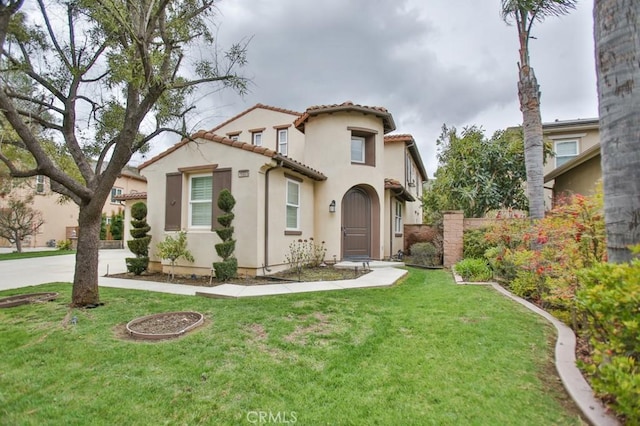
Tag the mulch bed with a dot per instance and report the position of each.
(164, 325)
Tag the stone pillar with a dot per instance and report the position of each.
(453, 224)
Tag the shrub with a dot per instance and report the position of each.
(117, 225)
(424, 254)
(473, 270)
(611, 300)
(173, 249)
(63, 245)
(140, 243)
(103, 227)
(228, 268)
(475, 243)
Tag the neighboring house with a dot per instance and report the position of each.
(575, 167)
(329, 173)
(60, 215)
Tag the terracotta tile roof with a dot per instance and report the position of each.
(398, 190)
(388, 123)
(256, 106)
(131, 196)
(235, 117)
(210, 136)
(398, 138)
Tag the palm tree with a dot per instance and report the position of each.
(618, 72)
(524, 13)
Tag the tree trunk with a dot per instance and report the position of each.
(529, 94)
(85, 280)
(18, 245)
(618, 72)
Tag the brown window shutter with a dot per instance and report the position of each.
(221, 180)
(173, 202)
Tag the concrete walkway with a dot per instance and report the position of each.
(26, 272)
(565, 353)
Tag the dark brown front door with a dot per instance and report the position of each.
(356, 224)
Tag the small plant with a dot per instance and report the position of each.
(173, 249)
(140, 243)
(473, 270)
(315, 252)
(298, 256)
(228, 268)
(63, 245)
(474, 243)
(425, 254)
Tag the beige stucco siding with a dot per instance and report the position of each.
(328, 148)
(586, 139)
(257, 119)
(128, 186)
(580, 180)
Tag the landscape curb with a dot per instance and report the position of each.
(565, 359)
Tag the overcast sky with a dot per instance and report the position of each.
(429, 62)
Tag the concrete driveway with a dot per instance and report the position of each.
(40, 270)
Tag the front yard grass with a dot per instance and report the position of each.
(422, 352)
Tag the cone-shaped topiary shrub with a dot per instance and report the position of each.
(228, 268)
(140, 243)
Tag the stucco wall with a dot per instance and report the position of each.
(580, 180)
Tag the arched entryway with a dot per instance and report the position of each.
(360, 208)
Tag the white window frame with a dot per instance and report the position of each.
(203, 201)
(398, 218)
(39, 184)
(361, 141)
(234, 137)
(115, 191)
(256, 138)
(566, 158)
(289, 204)
(283, 142)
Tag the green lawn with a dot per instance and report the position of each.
(422, 352)
(30, 254)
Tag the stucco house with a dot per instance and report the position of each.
(60, 216)
(331, 173)
(575, 167)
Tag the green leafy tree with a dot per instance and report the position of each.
(18, 220)
(477, 174)
(174, 249)
(524, 13)
(117, 225)
(618, 74)
(106, 66)
(139, 245)
(103, 227)
(228, 268)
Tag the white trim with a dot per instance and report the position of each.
(296, 206)
(568, 157)
(284, 151)
(364, 156)
(191, 202)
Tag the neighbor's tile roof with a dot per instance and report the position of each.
(348, 106)
(210, 136)
(131, 196)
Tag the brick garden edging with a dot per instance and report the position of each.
(565, 359)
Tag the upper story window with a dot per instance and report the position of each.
(39, 184)
(200, 195)
(363, 146)
(114, 193)
(357, 149)
(256, 136)
(283, 145)
(565, 151)
(234, 136)
(293, 205)
(410, 173)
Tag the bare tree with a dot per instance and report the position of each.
(19, 221)
(618, 71)
(524, 13)
(99, 70)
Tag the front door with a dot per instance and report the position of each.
(356, 224)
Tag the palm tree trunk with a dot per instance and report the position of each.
(529, 94)
(85, 280)
(618, 72)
